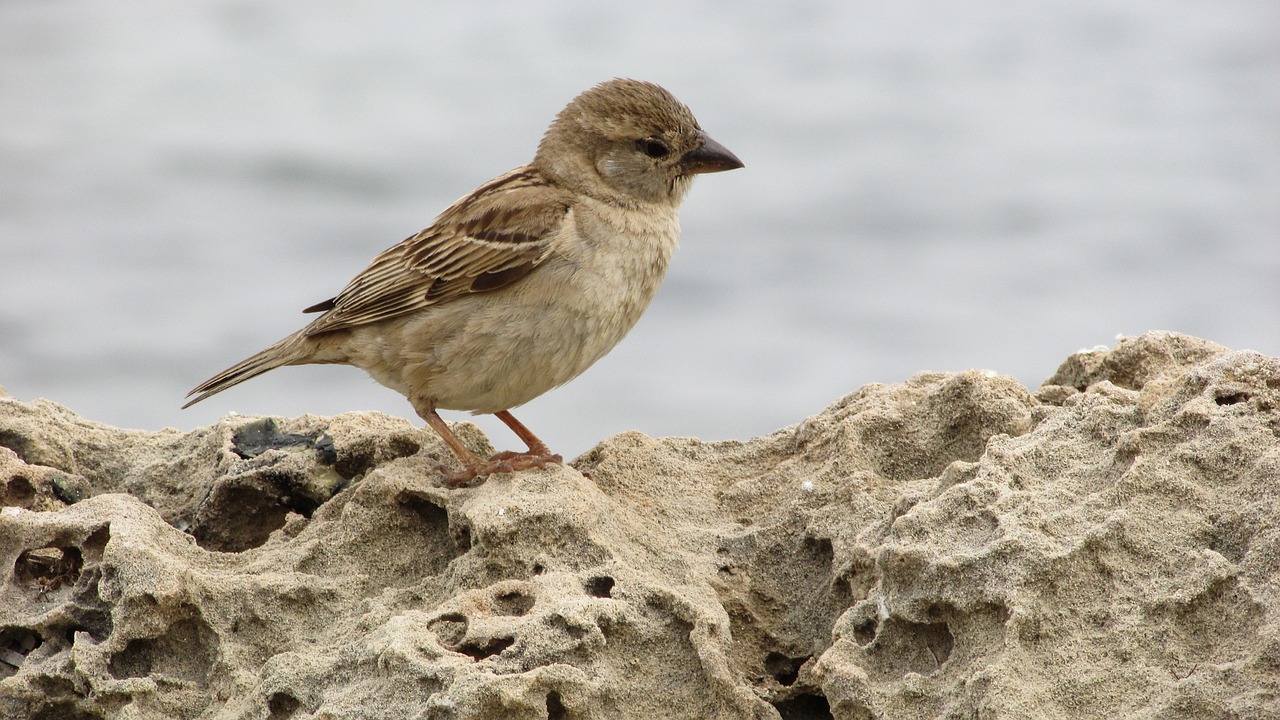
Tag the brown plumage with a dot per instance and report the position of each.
(525, 282)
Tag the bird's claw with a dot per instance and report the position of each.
(503, 462)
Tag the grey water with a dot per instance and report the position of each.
(928, 186)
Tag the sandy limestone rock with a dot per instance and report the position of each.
(955, 546)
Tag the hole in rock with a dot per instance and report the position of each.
(49, 568)
(513, 603)
(300, 504)
(938, 639)
(435, 525)
(241, 514)
(69, 633)
(429, 512)
(18, 492)
(538, 569)
(88, 614)
(17, 443)
(865, 632)
(902, 646)
(555, 707)
(1232, 398)
(134, 661)
(784, 669)
(491, 647)
(186, 651)
(820, 549)
(841, 587)
(804, 707)
(600, 586)
(16, 643)
(450, 629)
(97, 542)
(282, 706)
(558, 623)
(359, 457)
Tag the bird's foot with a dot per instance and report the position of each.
(503, 462)
(524, 460)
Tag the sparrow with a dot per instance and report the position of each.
(521, 285)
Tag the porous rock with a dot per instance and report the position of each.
(952, 546)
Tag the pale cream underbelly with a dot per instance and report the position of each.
(496, 351)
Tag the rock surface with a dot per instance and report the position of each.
(955, 546)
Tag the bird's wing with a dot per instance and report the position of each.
(487, 240)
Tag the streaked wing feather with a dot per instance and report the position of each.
(485, 241)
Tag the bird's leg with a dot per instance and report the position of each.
(473, 467)
(536, 446)
(536, 456)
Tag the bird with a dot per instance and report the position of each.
(521, 285)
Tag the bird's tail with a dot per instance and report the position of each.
(282, 353)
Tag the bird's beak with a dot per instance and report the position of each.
(710, 157)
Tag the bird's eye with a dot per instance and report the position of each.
(654, 148)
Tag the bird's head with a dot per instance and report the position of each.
(630, 141)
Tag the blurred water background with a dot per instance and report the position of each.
(929, 186)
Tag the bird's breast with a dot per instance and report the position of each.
(498, 350)
(607, 267)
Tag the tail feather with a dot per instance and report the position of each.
(278, 355)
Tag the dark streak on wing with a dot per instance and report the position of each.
(321, 306)
(500, 278)
(485, 241)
